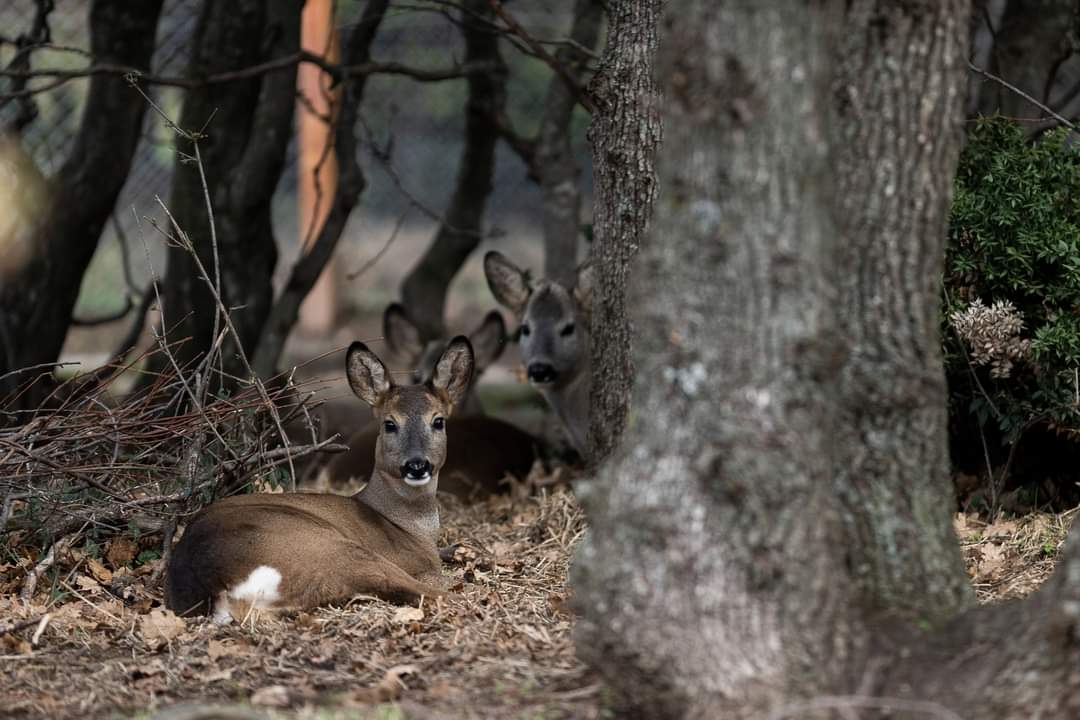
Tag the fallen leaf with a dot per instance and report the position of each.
(160, 626)
(408, 615)
(120, 551)
(15, 645)
(101, 573)
(85, 582)
(271, 696)
(216, 649)
(387, 689)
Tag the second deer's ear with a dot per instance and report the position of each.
(509, 284)
(488, 340)
(454, 371)
(401, 333)
(583, 290)
(366, 373)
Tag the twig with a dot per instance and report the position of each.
(571, 82)
(166, 552)
(382, 251)
(40, 629)
(44, 564)
(61, 76)
(1005, 84)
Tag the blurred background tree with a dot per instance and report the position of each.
(455, 125)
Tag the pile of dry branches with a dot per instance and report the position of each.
(92, 465)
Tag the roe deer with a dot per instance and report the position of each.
(405, 340)
(554, 338)
(298, 551)
(481, 451)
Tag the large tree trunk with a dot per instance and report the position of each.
(624, 134)
(742, 560)
(424, 289)
(36, 306)
(247, 129)
(707, 582)
(898, 96)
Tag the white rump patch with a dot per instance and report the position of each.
(258, 592)
(260, 588)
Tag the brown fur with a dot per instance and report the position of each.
(328, 548)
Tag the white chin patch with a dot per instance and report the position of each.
(417, 482)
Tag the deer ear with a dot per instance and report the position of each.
(583, 290)
(509, 284)
(454, 371)
(367, 376)
(488, 340)
(401, 333)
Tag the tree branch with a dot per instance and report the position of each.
(338, 72)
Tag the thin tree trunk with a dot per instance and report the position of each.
(553, 155)
(899, 98)
(247, 128)
(624, 134)
(350, 185)
(36, 306)
(424, 288)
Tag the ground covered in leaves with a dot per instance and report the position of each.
(95, 642)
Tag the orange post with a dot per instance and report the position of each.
(316, 164)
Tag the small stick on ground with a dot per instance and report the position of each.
(46, 562)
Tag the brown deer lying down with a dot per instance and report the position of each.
(481, 450)
(298, 551)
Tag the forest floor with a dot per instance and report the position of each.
(95, 642)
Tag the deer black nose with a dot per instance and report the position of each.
(415, 468)
(541, 373)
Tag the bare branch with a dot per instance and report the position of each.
(60, 76)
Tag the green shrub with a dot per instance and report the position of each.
(1012, 282)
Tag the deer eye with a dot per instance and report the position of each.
(568, 330)
(525, 330)
(438, 423)
(390, 426)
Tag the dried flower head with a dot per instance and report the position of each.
(993, 335)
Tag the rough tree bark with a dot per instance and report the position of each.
(898, 89)
(350, 185)
(720, 577)
(624, 134)
(247, 128)
(424, 289)
(36, 306)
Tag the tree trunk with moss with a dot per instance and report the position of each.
(740, 561)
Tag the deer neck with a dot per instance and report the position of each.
(571, 404)
(415, 512)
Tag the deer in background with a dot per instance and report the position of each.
(482, 450)
(554, 338)
(298, 551)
